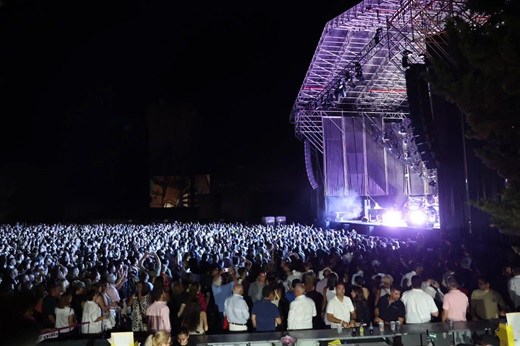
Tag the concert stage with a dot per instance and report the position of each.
(400, 231)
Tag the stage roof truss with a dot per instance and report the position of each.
(372, 38)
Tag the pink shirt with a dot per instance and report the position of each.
(112, 293)
(456, 303)
(158, 317)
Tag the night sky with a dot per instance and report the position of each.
(83, 82)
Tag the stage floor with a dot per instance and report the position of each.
(400, 231)
(394, 224)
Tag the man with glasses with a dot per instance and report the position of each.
(486, 304)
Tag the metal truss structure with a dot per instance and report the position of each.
(359, 64)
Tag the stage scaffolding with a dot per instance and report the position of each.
(358, 71)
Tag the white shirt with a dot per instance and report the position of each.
(288, 282)
(406, 281)
(91, 311)
(62, 318)
(432, 291)
(301, 312)
(340, 309)
(419, 306)
(236, 309)
(514, 290)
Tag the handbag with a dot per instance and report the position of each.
(226, 323)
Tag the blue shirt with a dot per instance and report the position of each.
(220, 293)
(290, 296)
(266, 313)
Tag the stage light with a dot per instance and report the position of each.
(417, 217)
(392, 218)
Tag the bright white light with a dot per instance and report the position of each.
(392, 218)
(417, 217)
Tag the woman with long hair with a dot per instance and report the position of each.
(158, 339)
(194, 319)
(64, 313)
(329, 292)
(139, 302)
(194, 291)
(360, 303)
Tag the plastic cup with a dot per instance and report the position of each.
(381, 327)
(392, 326)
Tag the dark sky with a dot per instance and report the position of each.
(78, 78)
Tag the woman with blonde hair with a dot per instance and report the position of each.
(386, 282)
(160, 338)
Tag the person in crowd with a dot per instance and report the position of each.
(361, 306)
(65, 316)
(139, 302)
(513, 288)
(290, 294)
(406, 282)
(360, 282)
(107, 306)
(418, 304)
(265, 315)
(222, 288)
(78, 297)
(195, 319)
(158, 313)
(236, 310)
(323, 282)
(195, 291)
(150, 263)
(160, 338)
(390, 307)
(183, 337)
(386, 283)
(301, 310)
(486, 303)
(340, 310)
(92, 314)
(317, 298)
(456, 304)
(255, 288)
(112, 287)
(49, 304)
(329, 292)
(359, 273)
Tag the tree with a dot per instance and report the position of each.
(482, 77)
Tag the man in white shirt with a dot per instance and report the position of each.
(236, 310)
(301, 310)
(405, 281)
(418, 304)
(513, 287)
(340, 310)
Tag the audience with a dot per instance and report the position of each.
(177, 276)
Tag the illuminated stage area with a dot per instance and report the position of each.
(365, 116)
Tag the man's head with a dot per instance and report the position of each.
(261, 277)
(340, 289)
(238, 289)
(267, 292)
(452, 283)
(395, 292)
(416, 281)
(483, 284)
(419, 268)
(299, 290)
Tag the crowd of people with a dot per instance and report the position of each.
(189, 278)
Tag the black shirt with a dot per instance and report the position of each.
(390, 311)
